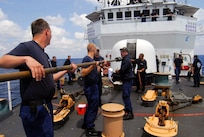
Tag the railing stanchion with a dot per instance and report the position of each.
(9, 95)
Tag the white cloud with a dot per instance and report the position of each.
(2, 15)
(10, 34)
(55, 20)
(62, 43)
(64, 47)
(58, 31)
(9, 28)
(79, 35)
(2, 47)
(79, 20)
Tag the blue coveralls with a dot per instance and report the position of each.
(37, 119)
(126, 73)
(196, 76)
(178, 63)
(68, 62)
(92, 95)
(140, 65)
(100, 84)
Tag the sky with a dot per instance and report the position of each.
(67, 20)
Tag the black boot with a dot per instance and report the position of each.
(128, 116)
(93, 132)
(83, 126)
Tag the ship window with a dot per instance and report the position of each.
(146, 12)
(157, 11)
(119, 15)
(165, 11)
(136, 13)
(110, 16)
(128, 15)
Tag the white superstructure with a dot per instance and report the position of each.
(172, 33)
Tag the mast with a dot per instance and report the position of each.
(108, 3)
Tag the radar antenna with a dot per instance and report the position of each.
(110, 2)
(104, 2)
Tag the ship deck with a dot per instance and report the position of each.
(190, 118)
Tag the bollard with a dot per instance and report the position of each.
(113, 120)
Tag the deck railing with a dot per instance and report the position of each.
(10, 91)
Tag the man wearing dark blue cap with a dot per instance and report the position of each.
(126, 73)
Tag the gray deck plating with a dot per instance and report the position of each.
(190, 118)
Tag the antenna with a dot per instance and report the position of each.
(103, 2)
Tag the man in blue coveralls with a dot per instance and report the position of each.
(90, 74)
(177, 67)
(37, 91)
(98, 57)
(141, 72)
(196, 67)
(126, 74)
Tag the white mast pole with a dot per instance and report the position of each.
(9, 95)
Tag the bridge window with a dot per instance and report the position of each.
(137, 14)
(128, 15)
(157, 11)
(110, 16)
(146, 12)
(165, 11)
(119, 15)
